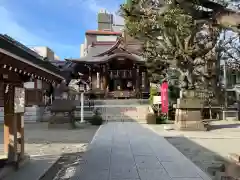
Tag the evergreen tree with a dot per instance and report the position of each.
(173, 38)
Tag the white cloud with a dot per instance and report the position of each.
(12, 28)
(88, 8)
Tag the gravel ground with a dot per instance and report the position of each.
(41, 143)
(208, 150)
(39, 140)
(64, 168)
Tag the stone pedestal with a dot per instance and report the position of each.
(188, 114)
(62, 113)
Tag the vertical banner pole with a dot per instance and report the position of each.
(164, 97)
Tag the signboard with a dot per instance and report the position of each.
(19, 100)
(29, 85)
(164, 97)
(39, 84)
(156, 99)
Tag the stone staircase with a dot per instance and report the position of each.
(116, 110)
(88, 112)
(127, 110)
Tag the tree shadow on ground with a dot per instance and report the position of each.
(34, 168)
(224, 126)
(42, 134)
(210, 162)
(47, 146)
(64, 167)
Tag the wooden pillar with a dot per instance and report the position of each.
(13, 125)
(137, 80)
(20, 131)
(90, 76)
(8, 114)
(104, 77)
(98, 80)
(143, 81)
(10, 123)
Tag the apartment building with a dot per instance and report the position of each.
(107, 33)
(45, 52)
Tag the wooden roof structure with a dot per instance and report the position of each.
(101, 53)
(18, 58)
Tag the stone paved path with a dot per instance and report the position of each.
(128, 151)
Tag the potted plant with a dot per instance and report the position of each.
(161, 119)
(151, 118)
(96, 118)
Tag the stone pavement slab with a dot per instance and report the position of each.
(34, 169)
(129, 151)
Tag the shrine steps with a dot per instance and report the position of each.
(123, 110)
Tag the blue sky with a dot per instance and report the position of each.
(58, 24)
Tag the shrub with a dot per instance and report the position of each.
(162, 119)
(151, 118)
(96, 118)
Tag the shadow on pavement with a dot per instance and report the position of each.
(34, 168)
(51, 151)
(209, 161)
(64, 167)
(224, 126)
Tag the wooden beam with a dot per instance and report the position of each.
(23, 67)
(13, 126)
(20, 131)
(8, 115)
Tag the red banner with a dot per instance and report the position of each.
(164, 97)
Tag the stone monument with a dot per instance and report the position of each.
(62, 108)
(188, 112)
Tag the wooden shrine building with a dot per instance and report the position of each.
(19, 64)
(112, 70)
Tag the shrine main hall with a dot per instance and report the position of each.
(111, 70)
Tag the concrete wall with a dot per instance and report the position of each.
(44, 52)
(32, 114)
(82, 54)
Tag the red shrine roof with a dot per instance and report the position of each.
(97, 32)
